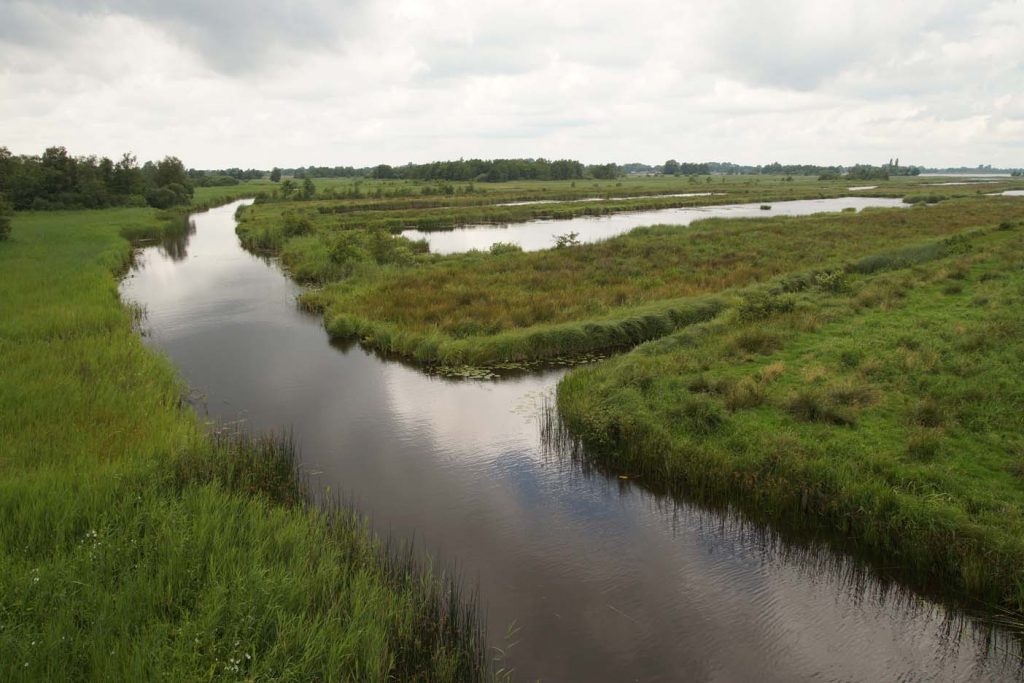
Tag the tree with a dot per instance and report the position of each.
(275, 175)
(383, 172)
(671, 167)
(287, 188)
(170, 171)
(5, 219)
(308, 189)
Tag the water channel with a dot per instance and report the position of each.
(584, 577)
(540, 234)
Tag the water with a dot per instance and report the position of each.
(540, 234)
(602, 580)
(609, 199)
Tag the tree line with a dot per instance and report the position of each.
(58, 180)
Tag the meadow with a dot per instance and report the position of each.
(137, 545)
(485, 308)
(880, 403)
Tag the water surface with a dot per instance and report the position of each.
(540, 234)
(594, 578)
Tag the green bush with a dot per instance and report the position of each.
(5, 219)
(499, 248)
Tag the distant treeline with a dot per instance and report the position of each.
(466, 170)
(979, 169)
(57, 180)
(494, 170)
(501, 170)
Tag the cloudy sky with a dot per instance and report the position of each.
(354, 82)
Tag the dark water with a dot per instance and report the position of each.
(596, 579)
(540, 234)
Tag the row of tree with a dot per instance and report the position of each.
(57, 180)
(492, 170)
(858, 172)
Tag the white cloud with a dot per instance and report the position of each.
(264, 83)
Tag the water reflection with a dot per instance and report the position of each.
(174, 242)
(603, 580)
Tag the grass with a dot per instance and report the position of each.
(887, 412)
(135, 546)
(483, 308)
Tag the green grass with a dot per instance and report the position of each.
(482, 308)
(887, 410)
(135, 547)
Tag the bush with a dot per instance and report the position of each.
(167, 196)
(761, 305)
(5, 219)
(296, 225)
(499, 248)
(831, 281)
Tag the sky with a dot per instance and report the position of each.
(263, 83)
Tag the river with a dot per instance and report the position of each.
(540, 234)
(584, 577)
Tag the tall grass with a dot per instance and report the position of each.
(134, 546)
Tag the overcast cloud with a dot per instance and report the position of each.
(262, 83)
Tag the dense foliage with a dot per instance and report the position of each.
(57, 180)
(5, 219)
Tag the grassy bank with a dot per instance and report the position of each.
(882, 402)
(484, 308)
(133, 546)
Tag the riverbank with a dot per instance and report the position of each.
(880, 401)
(136, 547)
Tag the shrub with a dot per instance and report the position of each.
(761, 305)
(5, 219)
(499, 248)
(831, 281)
(569, 239)
(295, 225)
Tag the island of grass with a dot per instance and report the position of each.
(483, 308)
(136, 546)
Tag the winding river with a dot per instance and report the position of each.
(584, 577)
